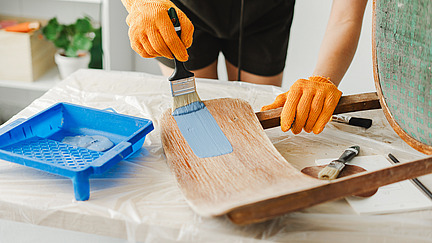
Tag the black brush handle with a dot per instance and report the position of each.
(349, 154)
(175, 20)
(360, 122)
(354, 121)
(180, 71)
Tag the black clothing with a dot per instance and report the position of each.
(267, 25)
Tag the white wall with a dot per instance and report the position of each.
(115, 41)
(66, 11)
(310, 20)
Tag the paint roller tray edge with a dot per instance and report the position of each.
(37, 142)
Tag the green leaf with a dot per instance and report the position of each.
(70, 30)
(51, 29)
(82, 42)
(72, 38)
(62, 40)
(71, 51)
(53, 21)
(83, 25)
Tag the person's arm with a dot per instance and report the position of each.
(340, 39)
(309, 103)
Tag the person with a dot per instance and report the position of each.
(210, 27)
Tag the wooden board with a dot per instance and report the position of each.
(255, 170)
(255, 183)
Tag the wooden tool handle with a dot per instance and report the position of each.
(349, 103)
(349, 154)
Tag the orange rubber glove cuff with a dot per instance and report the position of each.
(308, 104)
(152, 33)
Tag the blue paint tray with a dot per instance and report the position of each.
(37, 142)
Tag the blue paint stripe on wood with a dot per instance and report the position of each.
(201, 131)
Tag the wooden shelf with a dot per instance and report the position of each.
(44, 83)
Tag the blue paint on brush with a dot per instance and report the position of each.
(201, 130)
(192, 107)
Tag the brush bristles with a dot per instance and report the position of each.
(186, 99)
(328, 173)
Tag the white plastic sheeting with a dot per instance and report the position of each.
(138, 199)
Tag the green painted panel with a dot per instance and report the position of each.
(404, 58)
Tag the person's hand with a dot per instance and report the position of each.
(308, 104)
(152, 33)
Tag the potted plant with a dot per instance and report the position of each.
(73, 41)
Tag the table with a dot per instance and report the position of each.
(138, 199)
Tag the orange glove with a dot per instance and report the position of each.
(308, 104)
(151, 31)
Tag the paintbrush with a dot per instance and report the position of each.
(185, 97)
(332, 170)
(354, 121)
(197, 126)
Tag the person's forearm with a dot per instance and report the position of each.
(340, 39)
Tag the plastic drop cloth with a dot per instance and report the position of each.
(138, 199)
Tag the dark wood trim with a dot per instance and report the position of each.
(336, 189)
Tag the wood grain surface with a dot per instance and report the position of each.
(255, 183)
(254, 171)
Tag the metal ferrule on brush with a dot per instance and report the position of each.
(183, 86)
(336, 165)
(331, 171)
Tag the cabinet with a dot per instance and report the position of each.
(110, 14)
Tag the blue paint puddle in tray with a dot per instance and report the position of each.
(201, 131)
(37, 142)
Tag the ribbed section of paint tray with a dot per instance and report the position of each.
(54, 152)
